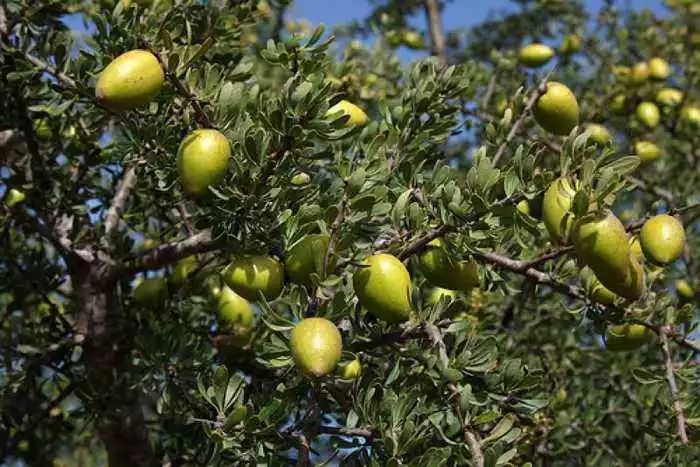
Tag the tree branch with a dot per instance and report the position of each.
(121, 195)
(345, 431)
(437, 34)
(673, 388)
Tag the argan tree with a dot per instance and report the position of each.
(229, 238)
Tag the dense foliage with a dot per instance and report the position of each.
(117, 346)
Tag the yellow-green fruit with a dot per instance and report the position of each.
(300, 179)
(316, 346)
(523, 207)
(202, 160)
(393, 38)
(636, 249)
(235, 317)
(383, 286)
(131, 80)
(557, 110)
(250, 275)
(648, 113)
(659, 68)
(306, 257)
(662, 238)
(152, 292)
(358, 117)
(182, 270)
(436, 294)
(691, 114)
(598, 133)
(535, 55)
(684, 289)
(601, 242)
(626, 337)
(570, 44)
(14, 197)
(669, 97)
(413, 40)
(42, 128)
(617, 104)
(350, 370)
(445, 272)
(639, 73)
(597, 291)
(555, 207)
(622, 71)
(647, 151)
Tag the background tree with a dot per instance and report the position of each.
(120, 343)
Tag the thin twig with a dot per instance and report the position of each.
(118, 202)
(673, 388)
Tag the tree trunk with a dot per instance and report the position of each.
(107, 348)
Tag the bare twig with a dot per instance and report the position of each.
(120, 196)
(418, 245)
(65, 80)
(673, 388)
(345, 431)
(304, 451)
(437, 34)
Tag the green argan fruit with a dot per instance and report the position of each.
(555, 207)
(627, 337)
(14, 197)
(669, 97)
(597, 291)
(316, 346)
(648, 113)
(601, 242)
(523, 207)
(43, 130)
(639, 73)
(647, 151)
(413, 40)
(235, 317)
(598, 133)
(358, 117)
(557, 110)
(690, 114)
(306, 257)
(350, 370)
(535, 55)
(617, 104)
(636, 249)
(300, 179)
(202, 161)
(151, 292)
(182, 270)
(443, 271)
(659, 68)
(249, 275)
(662, 238)
(131, 80)
(383, 287)
(570, 44)
(684, 289)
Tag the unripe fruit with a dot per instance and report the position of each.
(626, 337)
(669, 97)
(639, 73)
(249, 275)
(555, 207)
(436, 294)
(684, 289)
(182, 270)
(690, 114)
(601, 242)
(617, 104)
(557, 110)
(316, 346)
(43, 130)
(662, 238)
(523, 207)
(598, 133)
(131, 80)
(358, 117)
(235, 317)
(636, 249)
(413, 40)
(151, 292)
(383, 287)
(300, 179)
(659, 68)
(306, 257)
(597, 291)
(535, 55)
(14, 197)
(350, 370)
(647, 151)
(443, 271)
(202, 161)
(570, 44)
(648, 113)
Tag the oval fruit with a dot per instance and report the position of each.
(316, 346)
(690, 114)
(413, 40)
(636, 249)
(235, 317)
(659, 68)
(14, 197)
(557, 110)
(300, 179)
(617, 104)
(684, 289)
(131, 80)
(555, 206)
(535, 55)
(152, 292)
(639, 73)
(250, 275)
(669, 97)
(306, 257)
(202, 160)
(358, 117)
(626, 337)
(443, 271)
(182, 270)
(383, 287)
(570, 44)
(662, 238)
(647, 151)
(598, 133)
(648, 113)
(523, 207)
(350, 370)
(597, 291)
(43, 129)
(601, 242)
